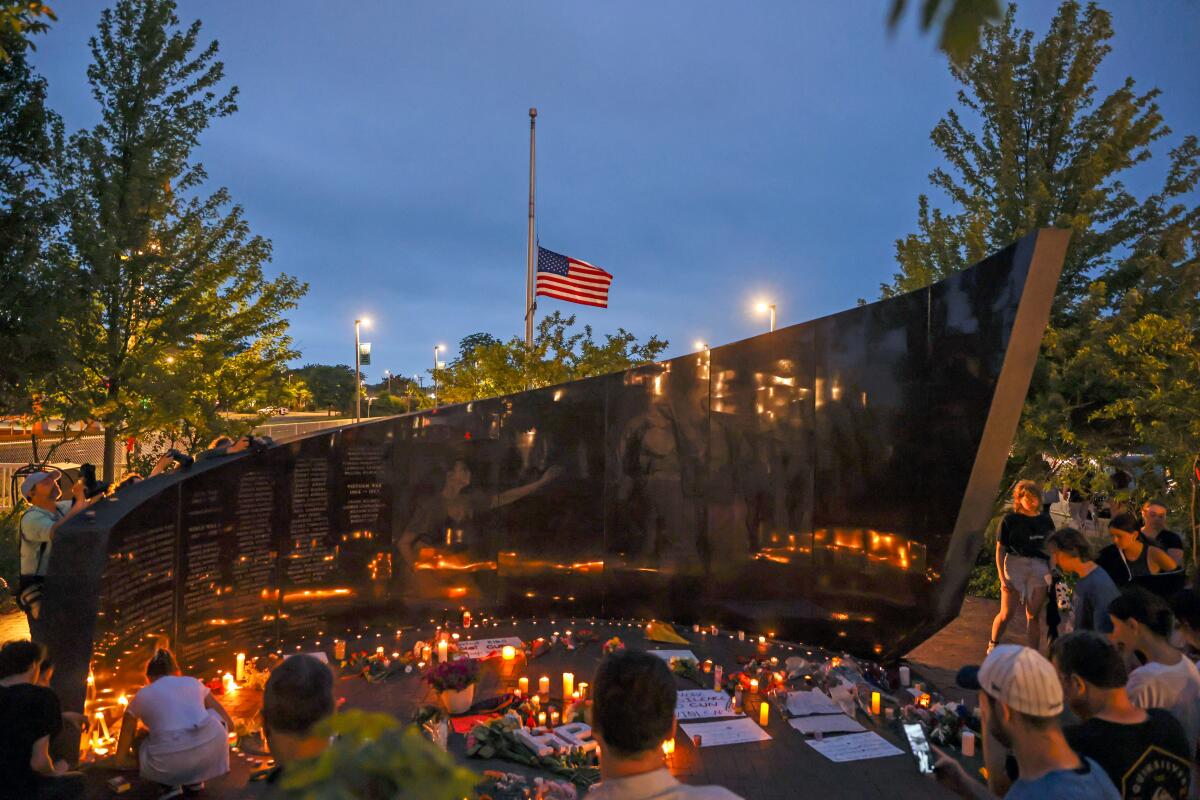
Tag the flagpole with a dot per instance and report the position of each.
(529, 301)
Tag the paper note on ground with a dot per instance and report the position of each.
(855, 747)
(703, 704)
(482, 648)
(734, 731)
(667, 655)
(825, 723)
(801, 704)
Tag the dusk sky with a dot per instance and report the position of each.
(705, 153)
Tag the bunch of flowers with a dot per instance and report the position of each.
(944, 721)
(613, 645)
(511, 786)
(453, 675)
(376, 666)
(688, 668)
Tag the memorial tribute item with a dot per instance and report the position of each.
(628, 495)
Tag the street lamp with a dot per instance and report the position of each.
(701, 345)
(358, 323)
(387, 373)
(764, 307)
(437, 348)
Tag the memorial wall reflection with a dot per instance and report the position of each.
(805, 482)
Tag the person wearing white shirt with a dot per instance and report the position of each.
(633, 713)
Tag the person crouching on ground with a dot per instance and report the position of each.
(1144, 751)
(298, 695)
(1022, 563)
(633, 713)
(188, 728)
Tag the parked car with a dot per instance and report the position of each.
(273, 411)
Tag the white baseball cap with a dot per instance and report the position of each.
(1020, 678)
(33, 479)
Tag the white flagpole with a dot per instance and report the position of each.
(530, 304)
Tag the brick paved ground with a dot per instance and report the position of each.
(783, 768)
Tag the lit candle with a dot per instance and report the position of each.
(443, 651)
(508, 653)
(454, 636)
(583, 687)
(875, 703)
(240, 672)
(123, 701)
(575, 696)
(523, 685)
(553, 717)
(426, 654)
(764, 711)
(707, 665)
(741, 636)
(754, 686)
(544, 685)
(568, 683)
(466, 619)
(537, 701)
(542, 718)
(968, 743)
(339, 650)
(379, 650)
(668, 747)
(103, 724)
(228, 683)
(718, 674)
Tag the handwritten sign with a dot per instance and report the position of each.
(733, 731)
(826, 723)
(703, 704)
(482, 648)
(667, 655)
(801, 704)
(855, 747)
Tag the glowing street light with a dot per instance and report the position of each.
(436, 349)
(701, 345)
(358, 324)
(764, 307)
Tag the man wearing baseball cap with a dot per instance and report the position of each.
(46, 513)
(1020, 700)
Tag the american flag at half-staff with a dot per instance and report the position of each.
(570, 279)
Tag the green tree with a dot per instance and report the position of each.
(30, 135)
(487, 367)
(331, 387)
(1039, 144)
(18, 19)
(960, 22)
(172, 316)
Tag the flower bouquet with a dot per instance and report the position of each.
(613, 645)
(455, 681)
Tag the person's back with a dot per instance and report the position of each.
(170, 703)
(30, 716)
(1174, 687)
(1087, 782)
(1145, 760)
(633, 713)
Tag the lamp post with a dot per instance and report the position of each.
(387, 373)
(436, 349)
(358, 323)
(765, 307)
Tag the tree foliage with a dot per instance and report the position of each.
(487, 367)
(960, 23)
(19, 19)
(330, 387)
(1034, 142)
(30, 136)
(171, 315)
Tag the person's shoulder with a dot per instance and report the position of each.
(64, 505)
(1166, 725)
(1170, 539)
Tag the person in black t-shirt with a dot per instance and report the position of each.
(1022, 563)
(30, 716)
(1144, 751)
(1154, 530)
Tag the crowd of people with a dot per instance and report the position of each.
(1102, 700)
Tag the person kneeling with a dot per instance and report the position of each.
(633, 713)
(188, 740)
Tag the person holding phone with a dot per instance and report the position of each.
(1022, 698)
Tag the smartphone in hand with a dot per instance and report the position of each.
(920, 747)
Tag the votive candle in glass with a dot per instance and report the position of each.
(544, 685)
(875, 703)
(523, 685)
(508, 653)
(763, 713)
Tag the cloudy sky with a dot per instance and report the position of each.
(706, 153)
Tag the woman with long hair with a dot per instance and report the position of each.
(187, 743)
(1023, 564)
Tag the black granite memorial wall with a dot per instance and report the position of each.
(828, 482)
